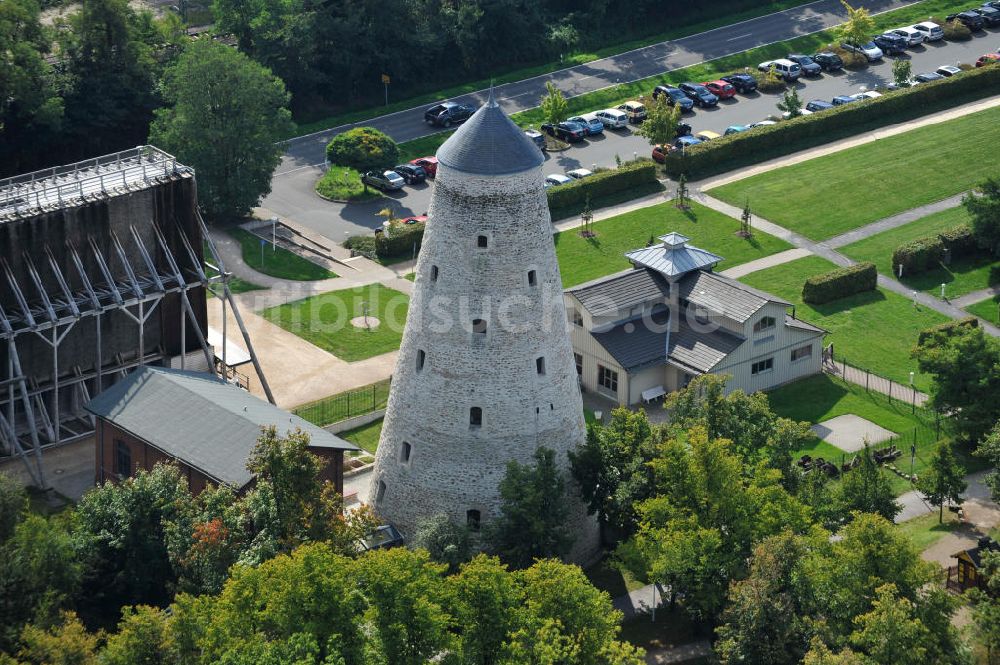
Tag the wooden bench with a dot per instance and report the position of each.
(653, 394)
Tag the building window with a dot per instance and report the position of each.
(479, 326)
(577, 318)
(404, 452)
(578, 359)
(421, 356)
(762, 366)
(475, 417)
(482, 242)
(607, 378)
(473, 519)
(380, 494)
(532, 278)
(765, 323)
(540, 364)
(434, 273)
(802, 352)
(123, 459)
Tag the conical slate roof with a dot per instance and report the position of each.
(489, 143)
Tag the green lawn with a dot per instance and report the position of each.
(829, 195)
(366, 436)
(412, 276)
(342, 183)
(987, 310)
(924, 531)
(582, 259)
(324, 320)
(277, 261)
(873, 330)
(962, 276)
(341, 406)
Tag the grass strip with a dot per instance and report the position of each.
(277, 261)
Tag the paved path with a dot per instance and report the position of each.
(888, 223)
(977, 499)
(766, 262)
(975, 296)
(877, 383)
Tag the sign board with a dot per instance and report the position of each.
(385, 79)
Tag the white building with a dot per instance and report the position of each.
(485, 373)
(628, 348)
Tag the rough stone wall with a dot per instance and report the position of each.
(453, 466)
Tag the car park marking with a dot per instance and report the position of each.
(733, 39)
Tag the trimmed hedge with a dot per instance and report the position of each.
(840, 283)
(949, 328)
(918, 255)
(398, 243)
(626, 176)
(959, 241)
(729, 152)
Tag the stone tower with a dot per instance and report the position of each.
(485, 372)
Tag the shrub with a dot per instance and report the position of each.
(364, 149)
(770, 81)
(956, 31)
(363, 245)
(628, 175)
(949, 327)
(840, 283)
(959, 241)
(398, 243)
(918, 255)
(851, 59)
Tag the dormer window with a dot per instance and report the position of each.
(577, 318)
(765, 323)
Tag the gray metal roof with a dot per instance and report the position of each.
(792, 322)
(724, 295)
(199, 419)
(489, 143)
(635, 345)
(621, 291)
(673, 256)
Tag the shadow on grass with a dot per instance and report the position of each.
(849, 302)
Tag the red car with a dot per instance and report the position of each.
(659, 154)
(721, 89)
(988, 59)
(429, 164)
(418, 219)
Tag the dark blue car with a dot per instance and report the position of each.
(674, 96)
(699, 94)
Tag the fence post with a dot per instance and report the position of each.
(373, 395)
(348, 404)
(890, 391)
(867, 377)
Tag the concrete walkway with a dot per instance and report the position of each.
(975, 296)
(895, 221)
(766, 262)
(977, 501)
(879, 384)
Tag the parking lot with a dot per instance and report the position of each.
(293, 195)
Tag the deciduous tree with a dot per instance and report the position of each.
(859, 26)
(446, 541)
(867, 489)
(791, 103)
(554, 106)
(363, 148)
(660, 125)
(901, 72)
(944, 481)
(989, 449)
(983, 204)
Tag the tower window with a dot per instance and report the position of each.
(404, 452)
(476, 417)
(473, 519)
(479, 326)
(380, 494)
(482, 242)
(434, 273)
(540, 364)
(421, 356)
(532, 278)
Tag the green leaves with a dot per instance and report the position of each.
(554, 105)
(660, 125)
(364, 149)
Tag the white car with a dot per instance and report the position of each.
(761, 123)
(912, 36)
(803, 111)
(868, 94)
(612, 118)
(932, 30)
(948, 70)
(868, 49)
(579, 174)
(556, 179)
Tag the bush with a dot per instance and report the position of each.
(628, 175)
(959, 241)
(852, 60)
(762, 143)
(840, 283)
(956, 31)
(949, 327)
(769, 81)
(918, 255)
(364, 149)
(398, 243)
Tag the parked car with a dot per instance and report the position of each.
(590, 122)
(809, 66)
(927, 77)
(707, 135)
(785, 68)
(870, 50)
(761, 123)
(536, 138)
(787, 115)
(684, 142)
(948, 70)
(565, 131)
(447, 114)
(995, 4)
(635, 111)
(829, 61)
(744, 83)
(384, 180)
(556, 179)
(673, 96)
(932, 31)
(735, 129)
(988, 59)
(612, 118)
(890, 44)
(699, 94)
(912, 36)
(428, 164)
(411, 173)
(416, 219)
(969, 19)
(840, 100)
(579, 174)
(721, 89)
(818, 105)
(683, 129)
(659, 154)
(867, 94)
(990, 14)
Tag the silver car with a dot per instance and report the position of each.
(868, 49)
(932, 30)
(912, 36)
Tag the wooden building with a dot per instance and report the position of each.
(197, 420)
(967, 574)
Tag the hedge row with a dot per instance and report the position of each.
(840, 283)
(399, 242)
(949, 328)
(626, 176)
(751, 147)
(926, 253)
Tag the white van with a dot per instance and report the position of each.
(784, 67)
(612, 118)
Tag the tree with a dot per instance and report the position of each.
(791, 104)
(944, 482)
(533, 512)
(445, 541)
(891, 632)
(140, 639)
(363, 149)
(554, 105)
(990, 450)
(66, 643)
(13, 503)
(901, 72)
(225, 116)
(660, 125)
(965, 365)
(866, 489)
(487, 600)
(820, 654)
(859, 26)
(983, 204)
(986, 609)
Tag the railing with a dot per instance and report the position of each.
(346, 405)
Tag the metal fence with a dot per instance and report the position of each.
(346, 405)
(872, 381)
